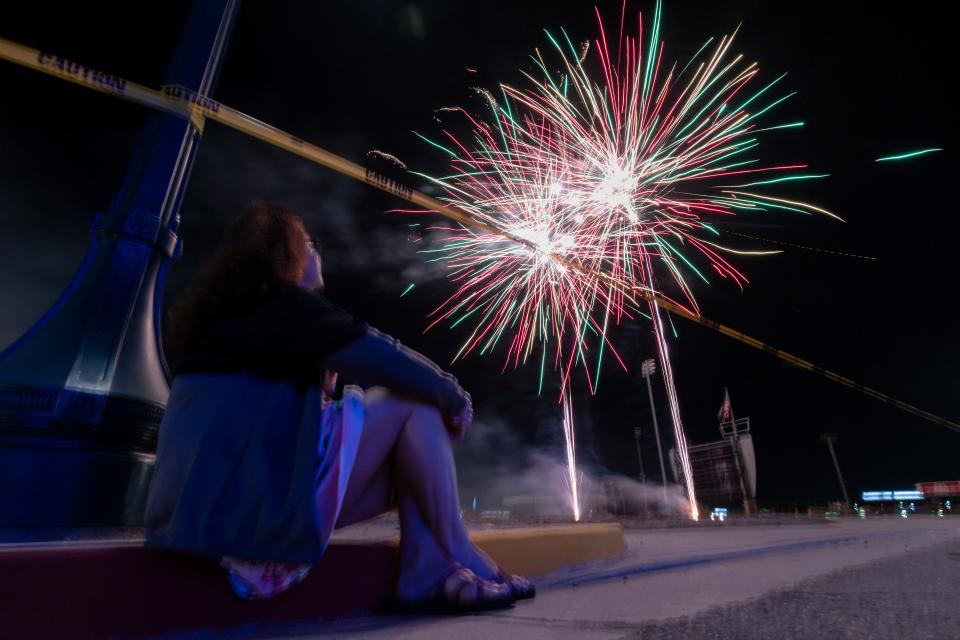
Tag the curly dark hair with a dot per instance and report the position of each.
(262, 249)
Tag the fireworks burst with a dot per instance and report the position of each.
(611, 161)
(605, 163)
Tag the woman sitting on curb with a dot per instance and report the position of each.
(256, 464)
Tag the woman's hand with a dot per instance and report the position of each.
(457, 424)
(329, 384)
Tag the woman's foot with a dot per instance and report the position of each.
(461, 591)
(520, 587)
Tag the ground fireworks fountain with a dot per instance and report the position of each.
(572, 476)
(612, 161)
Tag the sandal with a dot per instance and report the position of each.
(460, 591)
(520, 587)
(251, 580)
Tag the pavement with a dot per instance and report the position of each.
(885, 577)
(913, 595)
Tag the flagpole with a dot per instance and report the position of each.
(735, 444)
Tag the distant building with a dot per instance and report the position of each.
(724, 471)
(944, 489)
(934, 497)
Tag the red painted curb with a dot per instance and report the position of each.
(77, 591)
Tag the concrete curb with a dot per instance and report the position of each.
(538, 550)
(120, 589)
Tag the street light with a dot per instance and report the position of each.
(647, 369)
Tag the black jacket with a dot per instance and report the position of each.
(293, 335)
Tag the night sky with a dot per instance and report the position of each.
(356, 76)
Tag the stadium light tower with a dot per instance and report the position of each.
(647, 369)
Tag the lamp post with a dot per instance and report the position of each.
(647, 369)
(643, 476)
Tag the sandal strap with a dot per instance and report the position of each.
(484, 591)
(520, 586)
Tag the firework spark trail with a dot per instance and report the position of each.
(910, 154)
(681, 441)
(798, 246)
(389, 157)
(572, 479)
(614, 164)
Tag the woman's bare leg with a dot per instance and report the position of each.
(377, 498)
(407, 440)
(427, 471)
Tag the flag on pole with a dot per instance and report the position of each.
(726, 410)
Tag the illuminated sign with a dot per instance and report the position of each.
(881, 496)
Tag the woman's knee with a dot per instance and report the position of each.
(427, 413)
(385, 408)
(386, 400)
(383, 401)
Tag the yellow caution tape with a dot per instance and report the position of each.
(190, 105)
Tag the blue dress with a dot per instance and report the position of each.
(251, 467)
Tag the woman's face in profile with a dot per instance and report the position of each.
(312, 277)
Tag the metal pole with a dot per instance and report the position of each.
(648, 368)
(829, 438)
(643, 476)
(735, 445)
(636, 438)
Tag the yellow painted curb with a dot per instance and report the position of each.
(536, 550)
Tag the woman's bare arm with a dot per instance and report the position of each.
(377, 358)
